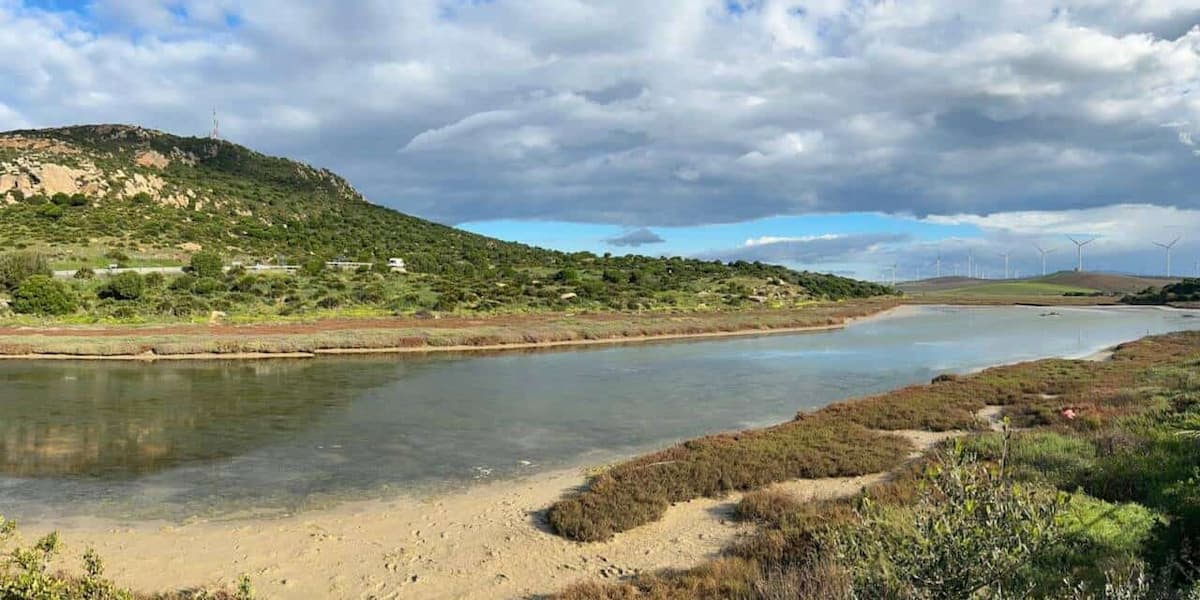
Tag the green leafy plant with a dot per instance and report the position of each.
(971, 532)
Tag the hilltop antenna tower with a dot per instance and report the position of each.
(1168, 248)
(1079, 252)
(1044, 252)
(216, 130)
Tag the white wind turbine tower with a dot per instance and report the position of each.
(1044, 252)
(1005, 255)
(1168, 248)
(1079, 252)
(938, 262)
(893, 267)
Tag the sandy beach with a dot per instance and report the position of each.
(488, 541)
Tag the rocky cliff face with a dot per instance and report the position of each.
(132, 187)
(120, 162)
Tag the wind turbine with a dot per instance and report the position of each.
(1044, 252)
(970, 263)
(1168, 247)
(1079, 252)
(938, 262)
(1005, 255)
(893, 268)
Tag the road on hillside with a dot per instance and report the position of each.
(69, 273)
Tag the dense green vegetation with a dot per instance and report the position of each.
(206, 287)
(1187, 290)
(1098, 498)
(241, 206)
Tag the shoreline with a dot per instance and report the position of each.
(486, 540)
(880, 313)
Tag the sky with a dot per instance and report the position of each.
(833, 135)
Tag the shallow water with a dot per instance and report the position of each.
(175, 439)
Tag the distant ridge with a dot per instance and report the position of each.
(153, 193)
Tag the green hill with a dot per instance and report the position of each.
(1056, 284)
(91, 195)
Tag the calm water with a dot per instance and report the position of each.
(169, 440)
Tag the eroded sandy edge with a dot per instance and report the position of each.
(894, 311)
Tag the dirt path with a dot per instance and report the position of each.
(488, 542)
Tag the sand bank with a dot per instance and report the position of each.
(488, 541)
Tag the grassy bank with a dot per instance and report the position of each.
(418, 334)
(1097, 495)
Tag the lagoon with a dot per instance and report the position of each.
(226, 439)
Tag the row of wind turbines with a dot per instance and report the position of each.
(974, 269)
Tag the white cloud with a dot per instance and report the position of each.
(775, 239)
(664, 113)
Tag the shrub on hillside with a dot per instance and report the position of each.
(206, 264)
(44, 295)
(123, 286)
(208, 285)
(50, 211)
(117, 256)
(312, 266)
(16, 267)
(85, 273)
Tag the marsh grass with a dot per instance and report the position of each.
(639, 491)
(1128, 507)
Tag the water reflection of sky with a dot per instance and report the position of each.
(175, 439)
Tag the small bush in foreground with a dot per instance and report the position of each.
(971, 529)
(24, 573)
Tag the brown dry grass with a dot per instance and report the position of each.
(417, 333)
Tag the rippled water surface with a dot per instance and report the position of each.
(171, 439)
